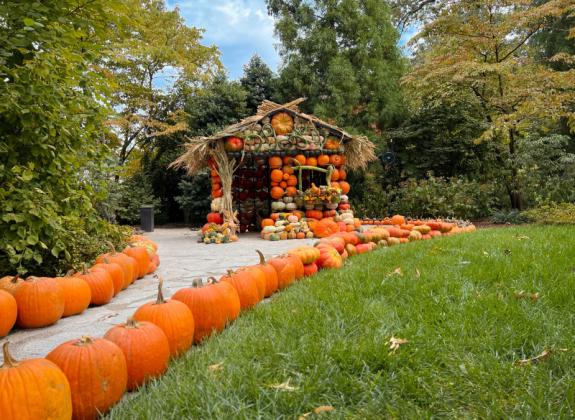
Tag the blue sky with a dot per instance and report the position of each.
(239, 28)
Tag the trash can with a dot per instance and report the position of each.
(147, 218)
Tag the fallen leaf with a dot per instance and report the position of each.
(417, 274)
(395, 343)
(284, 386)
(317, 410)
(397, 272)
(215, 367)
(524, 295)
(522, 237)
(539, 358)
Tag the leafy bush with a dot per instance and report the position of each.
(432, 197)
(511, 217)
(195, 198)
(130, 195)
(553, 214)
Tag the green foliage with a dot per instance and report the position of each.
(457, 302)
(429, 197)
(508, 217)
(131, 194)
(195, 198)
(343, 57)
(51, 113)
(259, 82)
(552, 214)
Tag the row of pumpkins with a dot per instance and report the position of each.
(84, 377)
(41, 301)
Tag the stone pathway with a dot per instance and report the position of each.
(182, 260)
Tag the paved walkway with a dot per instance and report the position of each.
(182, 259)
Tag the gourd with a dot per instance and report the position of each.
(269, 229)
(288, 199)
(9, 311)
(40, 302)
(291, 206)
(245, 285)
(278, 205)
(77, 295)
(101, 285)
(285, 270)
(282, 123)
(271, 275)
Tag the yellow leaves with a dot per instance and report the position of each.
(284, 386)
(395, 343)
(539, 358)
(524, 295)
(318, 410)
(397, 272)
(215, 367)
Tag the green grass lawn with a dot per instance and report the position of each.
(456, 302)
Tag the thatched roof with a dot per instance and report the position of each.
(359, 150)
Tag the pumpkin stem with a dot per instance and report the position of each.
(230, 272)
(213, 280)
(84, 341)
(197, 282)
(111, 246)
(70, 273)
(106, 260)
(160, 298)
(131, 323)
(9, 362)
(84, 268)
(262, 258)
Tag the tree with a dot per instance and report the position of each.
(160, 55)
(52, 108)
(482, 48)
(259, 82)
(343, 57)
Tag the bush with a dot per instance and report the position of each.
(130, 195)
(508, 217)
(432, 197)
(552, 214)
(195, 199)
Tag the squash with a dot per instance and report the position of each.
(278, 206)
(40, 302)
(246, 286)
(9, 311)
(282, 123)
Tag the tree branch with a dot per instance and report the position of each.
(529, 35)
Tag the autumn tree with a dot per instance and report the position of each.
(483, 48)
(161, 55)
(343, 57)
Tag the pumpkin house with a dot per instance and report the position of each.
(280, 171)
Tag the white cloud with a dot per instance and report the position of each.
(239, 28)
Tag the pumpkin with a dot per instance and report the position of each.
(337, 160)
(217, 193)
(329, 257)
(145, 347)
(300, 235)
(314, 214)
(173, 317)
(310, 269)
(329, 213)
(393, 241)
(307, 254)
(10, 283)
(77, 295)
(101, 285)
(282, 123)
(301, 159)
(33, 389)
(350, 248)
(212, 306)
(271, 275)
(9, 311)
(398, 220)
(40, 302)
(233, 144)
(127, 263)
(276, 193)
(115, 272)
(275, 162)
(260, 278)
(287, 169)
(334, 176)
(325, 228)
(311, 161)
(267, 222)
(283, 185)
(276, 175)
(142, 257)
(335, 185)
(332, 143)
(287, 160)
(216, 186)
(285, 271)
(215, 217)
(291, 192)
(342, 174)
(97, 372)
(323, 160)
(297, 264)
(245, 285)
(292, 181)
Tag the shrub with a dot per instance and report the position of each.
(195, 198)
(510, 217)
(553, 214)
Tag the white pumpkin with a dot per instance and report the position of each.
(292, 218)
(278, 205)
(344, 198)
(216, 205)
(269, 229)
(287, 199)
(291, 206)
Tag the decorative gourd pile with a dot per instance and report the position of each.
(414, 229)
(41, 301)
(69, 381)
(215, 233)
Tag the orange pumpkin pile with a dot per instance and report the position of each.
(36, 302)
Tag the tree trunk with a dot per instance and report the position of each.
(515, 196)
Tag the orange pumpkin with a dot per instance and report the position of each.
(276, 175)
(267, 222)
(282, 123)
(40, 302)
(245, 285)
(337, 160)
(283, 185)
(325, 228)
(33, 389)
(173, 317)
(300, 235)
(292, 181)
(335, 175)
(314, 214)
(332, 143)
(216, 186)
(344, 187)
(398, 220)
(301, 159)
(311, 161)
(271, 275)
(140, 254)
(259, 276)
(127, 263)
(101, 286)
(329, 257)
(218, 193)
(291, 191)
(97, 372)
(9, 311)
(10, 283)
(285, 271)
(277, 193)
(307, 254)
(212, 306)
(275, 162)
(145, 347)
(77, 295)
(342, 174)
(310, 269)
(115, 272)
(323, 160)
(297, 265)
(288, 170)
(335, 185)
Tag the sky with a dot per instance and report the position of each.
(239, 28)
